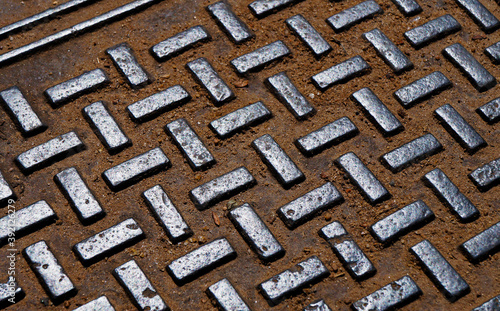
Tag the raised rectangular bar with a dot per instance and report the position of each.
(309, 35)
(80, 197)
(229, 22)
(332, 231)
(100, 304)
(459, 128)
(490, 305)
(195, 151)
(382, 117)
(348, 251)
(411, 152)
(105, 127)
(206, 75)
(451, 195)
(328, 135)
(432, 30)
(484, 244)
(167, 214)
(393, 295)
(6, 192)
(286, 92)
(421, 89)
(301, 209)
(108, 241)
(487, 175)
(493, 51)
(10, 292)
(480, 14)
(124, 59)
(180, 42)
(287, 282)
(480, 78)
(401, 222)
(371, 188)
(29, 218)
(260, 57)
(354, 15)
(278, 162)
(261, 8)
(42, 155)
(221, 187)
(353, 259)
(138, 287)
(340, 73)
(240, 119)
(21, 112)
(226, 296)
(49, 272)
(408, 7)
(73, 88)
(154, 105)
(490, 111)
(440, 271)
(388, 51)
(256, 233)
(135, 169)
(199, 261)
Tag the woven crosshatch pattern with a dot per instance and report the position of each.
(250, 155)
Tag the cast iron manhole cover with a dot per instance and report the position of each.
(249, 155)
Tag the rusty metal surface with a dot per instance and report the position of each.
(253, 278)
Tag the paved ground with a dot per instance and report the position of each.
(379, 202)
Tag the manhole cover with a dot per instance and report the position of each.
(263, 155)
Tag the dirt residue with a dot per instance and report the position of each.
(59, 63)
